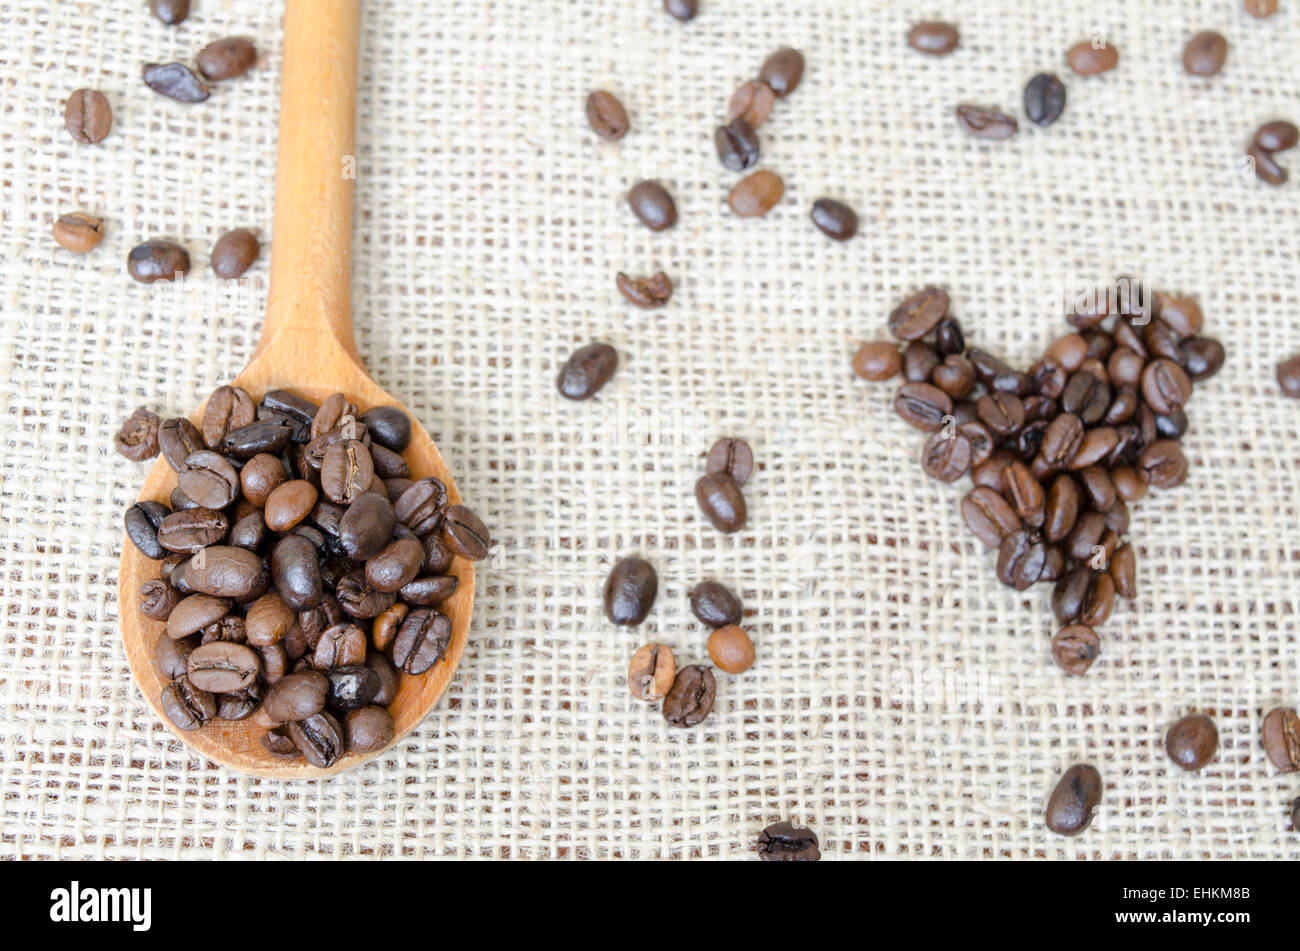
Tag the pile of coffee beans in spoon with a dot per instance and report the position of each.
(1058, 452)
(300, 568)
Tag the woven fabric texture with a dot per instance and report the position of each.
(904, 704)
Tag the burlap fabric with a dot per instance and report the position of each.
(903, 704)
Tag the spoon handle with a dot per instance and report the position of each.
(311, 250)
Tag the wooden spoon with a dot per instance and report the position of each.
(307, 347)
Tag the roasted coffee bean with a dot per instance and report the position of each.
(342, 645)
(587, 370)
(682, 9)
(157, 260)
(1182, 315)
(1162, 464)
(988, 516)
(289, 503)
(317, 620)
(923, 406)
(1261, 8)
(652, 204)
(226, 59)
(1202, 357)
(175, 81)
(651, 672)
(989, 472)
(1281, 738)
(223, 667)
(1074, 648)
(194, 613)
(170, 12)
(1025, 493)
(691, 696)
(737, 145)
(192, 529)
(1070, 808)
(1124, 367)
(388, 427)
(1123, 571)
(1192, 742)
(646, 292)
(1266, 167)
(269, 620)
(279, 744)
(1020, 559)
(319, 739)
(291, 405)
(715, 604)
(260, 476)
(396, 487)
(1062, 439)
(88, 116)
(1086, 395)
(1044, 99)
(208, 479)
(1288, 376)
(1277, 136)
(240, 704)
(955, 376)
(834, 219)
(731, 649)
(732, 456)
(359, 599)
(1085, 535)
(1099, 600)
(384, 630)
(985, 122)
(78, 232)
(1117, 517)
(919, 361)
(1205, 53)
(721, 500)
(295, 569)
(230, 628)
(234, 253)
(275, 662)
(753, 102)
(1099, 487)
(1053, 565)
(606, 115)
(270, 436)
(1068, 351)
(465, 533)
(438, 555)
(1062, 508)
(351, 687)
(1048, 378)
(933, 37)
(366, 527)
(224, 571)
(919, 314)
(756, 194)
(979, 437)
(346, 472)
(421, 640)
(878, 361)
(172, 657)
(987, 366)
(946, 456)
(1128, 484)
(1087, 59)
(158, 599)
(138, 437)
(396, 565)
(782, 71)
(630, 591)
(186, 705)
(1002, 413)
(229, 407)
(1165, 386)
(1030, 438)
(386, 674)
(142, 523)
(429, 590)
(1123, 406)
(1172, 426)
(1097, 444)
(368, 729)
(782, 842)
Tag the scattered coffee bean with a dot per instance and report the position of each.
(234, 253)
(985, 122)
(691, 696)
(923, 406)
(1074, 648)
(756, 195)
(78, 232)
(652, 204)
(752, 102)
(606, 115)
(1088, 59)
(587, 370)
(1192, 741)
(175, 81)
(877, 361)
(1277, 136)
(715, 604)
(1281, 738)
(834, 219)
(782, 72)
(1288, 376)
(88, 116)
(682, 9)
(170, 12)
(1205, 54)
(1266, 167)
(721, 500)
(226, 58)
(988, 516)
(731, 649)
(1044, 99)
(646, 292)
(138, 437)
(1261, 8)
(157, 260)
(1070, 808)
(919, 314)
(465, 534)
(737, 145)
(630, 591)
(732, 456)
(782, 842)
(651, 673)
(933, 37)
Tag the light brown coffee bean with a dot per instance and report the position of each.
(756, 194)
(138, 437)
(731, 649)
(1088, 59)
(933, 37)
(289, 503)
(226, 58)
(235, 252)
(78, 232)
(606, 115)
(646, 292)
(651, 673)
(877, 361)
(88, 116)
(752, 102)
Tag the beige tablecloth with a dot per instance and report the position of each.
(903, 704)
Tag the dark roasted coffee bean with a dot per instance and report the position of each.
(989, 472)
(346, 471)
(987, 366)
(1025, 493)
(652, 204)
(1162, 464)
(259, 477)
(1048, 378)
(1099, 601)
(587, 370)
(834, 219)
(142, 523)
(949, 338)
(88, 116)
(270, 436)
(226, 58)
(1117, 517)
(388, 427)
(208, 479)
(1044, 99)
(933, 37)
(234, 253)
(286, 403)
(157, 260)
(732, 456)
(351, 687)
(223, 667)
(1205, 53)
(691, 696)
(630, 591)
(1124, 367)
(1030, 438)
(715, 604)
(421, 641)
(158, 599)
(229, 407)
(919, 314)
(737, 145)
(1053, 565)
(1086, 395)
(606, 115)
(1062, 439)
(396, 565)
(342, 645)
(1277, 136)
(1074, 648)
(923, 406)
(1123, 406)
(756, 194)
(295, 569)
(1020, 560)
(387, 676)
(985, 122)
(421, 507)
(1088, 59)
(682, 9)
(359, 599)
(1266, 167)
(1192, 742)
(955, 376)
(1097, 444)
(1172, 426)
(180, 501)
(366, 527)
(977, 434)
(170, 12)
(465, 533)
(138, 437)
(186, 705)
(1281, 738)
(240, 704)
(172, 657)
(1099, 487)
(429, 590)
(946, 456)
(319, 739)
(782, 842)
(1061, 508)
(279, 744)
(386, 625)
(1288, 376)
(1085, 535)
(175, 81)
(919, 361)
(753, 102)
(1123, 571)
(1002, 413)
(1182, 315)
(368, 729)
(1202, 357)
(1070, 808)
(1070, 594)
(192, 529)
(645, 292)
(194, 613)
(878, 361)
(721, 500)
(782, 71)
(1165, 386)
(224, 571)
(1161, 341)
(988, 516)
